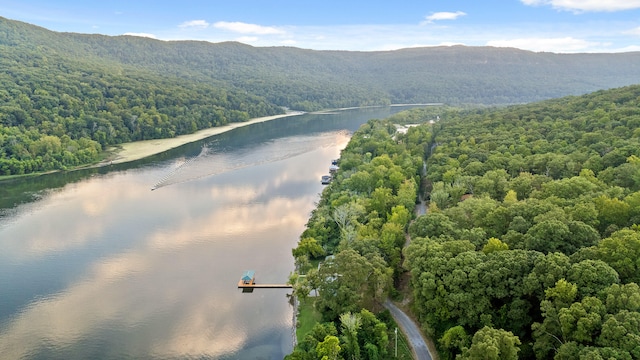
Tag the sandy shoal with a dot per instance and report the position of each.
(140, 149)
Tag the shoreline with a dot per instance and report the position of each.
(137, 150)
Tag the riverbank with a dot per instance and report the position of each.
(140, 149)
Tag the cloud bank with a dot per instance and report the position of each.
(244, 28)
(559, 45)
(199, 24)
(146, 35)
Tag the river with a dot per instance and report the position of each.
(94, 264)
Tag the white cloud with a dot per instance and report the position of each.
(629, 48)
(449, 43)
(244, 28)
(445, 15)
(563, 38)
(587, 5)
(635, 31)
(289, 42)
(147, 35)
(201, 24)
(557, 45)
(247, 39)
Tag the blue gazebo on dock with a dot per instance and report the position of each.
(248, 277)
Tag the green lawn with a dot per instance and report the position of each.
(307, 317)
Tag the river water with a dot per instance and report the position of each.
(94, 264)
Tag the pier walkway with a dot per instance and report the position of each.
(252, 285)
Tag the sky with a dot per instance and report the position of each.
(560, 26)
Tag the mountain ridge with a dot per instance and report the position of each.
(66, 96)
(426, 74)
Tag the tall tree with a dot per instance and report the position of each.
(493, 344)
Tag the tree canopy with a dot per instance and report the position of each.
(544, 239)
(529, 246)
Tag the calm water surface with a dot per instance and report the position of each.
(94, 264)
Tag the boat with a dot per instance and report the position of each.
(326, 179)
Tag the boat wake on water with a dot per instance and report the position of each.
(213, 161)
(162, 182)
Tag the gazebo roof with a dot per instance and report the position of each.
(248, 275)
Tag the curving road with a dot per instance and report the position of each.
(416, 341)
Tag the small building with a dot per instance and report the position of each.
(248, 277)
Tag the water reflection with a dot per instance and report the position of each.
(215, 159)
(102, 267)
(193, 239)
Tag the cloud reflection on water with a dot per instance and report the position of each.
(200, 253)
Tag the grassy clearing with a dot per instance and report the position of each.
(307, 318)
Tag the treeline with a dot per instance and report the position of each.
(57, 113)
(530, 247)
(361, 222)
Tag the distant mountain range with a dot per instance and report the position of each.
(310, 80)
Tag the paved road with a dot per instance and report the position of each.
(411, 331)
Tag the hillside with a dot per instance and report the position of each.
(65, 96)
(290, 76)
(530, 246)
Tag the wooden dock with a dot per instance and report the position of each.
(253, 285)
(248, 282)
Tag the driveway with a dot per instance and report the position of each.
(411, 331)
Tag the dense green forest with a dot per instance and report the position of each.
(65, 96)
(530, 247)
(361, 220)
(57, 112)
(308, 80)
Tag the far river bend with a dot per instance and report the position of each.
(95, 265)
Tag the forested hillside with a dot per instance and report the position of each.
(531, 244)
(65, 96)
(311, 80)
(59, 111)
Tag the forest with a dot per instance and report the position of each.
(56, 113)
(65, 97)
(530, 247)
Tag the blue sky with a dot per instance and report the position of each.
(564, 26)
